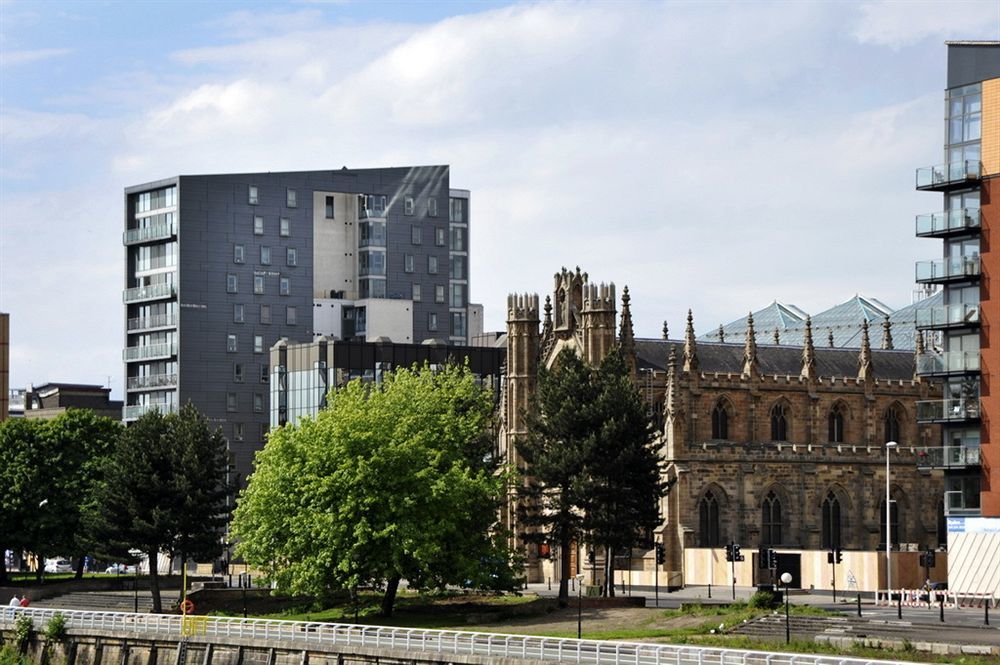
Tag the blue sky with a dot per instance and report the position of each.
(716, 156)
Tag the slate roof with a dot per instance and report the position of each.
(781, 360)
(844, 320)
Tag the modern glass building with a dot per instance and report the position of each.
(962, 346)
(220, 267)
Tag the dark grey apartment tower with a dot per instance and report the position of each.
(218, 268)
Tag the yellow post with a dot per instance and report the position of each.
(184, 587)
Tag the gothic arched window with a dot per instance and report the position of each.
(708, 521)
(890, 424)
(720, 421)
(835, 424)
(779, 422)
(893, 523)
(831, 522)
(770, 520)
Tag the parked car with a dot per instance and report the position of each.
(120, 569)
(58, 566)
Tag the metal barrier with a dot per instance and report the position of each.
(302, 634)
(924, 598)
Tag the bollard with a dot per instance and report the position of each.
(709, 589)
(859, 603)
(941, 605)
(899, 605)
(986, 608)
(550, 584)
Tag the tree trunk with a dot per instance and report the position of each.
(565, 542)
(154, 582)
(389, 599)
(3, 565)
(79, 567)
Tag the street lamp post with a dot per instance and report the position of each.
(786, 579)
(888, 524)
(579, 608)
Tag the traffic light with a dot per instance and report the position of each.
(772, 559)
(838, 555)
(927, 559)
(661, 554)
(762, 558)
(729, 552)
(591, 557)
(737, 554)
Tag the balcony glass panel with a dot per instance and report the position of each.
(948, 221)
(158, 231)
(957, 362)
(942, 175)
(947, 316)
(947, 409)
(947, 457)
(151, 292)
(152, 381)
(946, 270)
(153, 321)
(149, 351)
(135, 411)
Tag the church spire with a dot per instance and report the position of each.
(547, 325)
(690, 352)
(808, 353)
(666, 331)
(626, 336)
(865, 356)
(886, 333)
(750, 366)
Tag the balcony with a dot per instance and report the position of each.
(947, 410)
(948, 222)
(948, 177)
(149, 351)
(371, 213)
(136, 411)
(159, 231)
(943, 271)
(957, 504)
(948, 316)
(152, 381)
(151, 292)
(950, 362)
(154, 321)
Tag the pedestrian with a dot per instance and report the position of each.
(24, 601)
(14, 602)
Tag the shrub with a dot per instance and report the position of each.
(24, 631)
(763, 600)
(55, 629)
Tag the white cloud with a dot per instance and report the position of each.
(710, 156)
(899, 24)
(16, 58)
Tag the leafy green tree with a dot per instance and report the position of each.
(562, 425)
(165, 491)
(621, 485)
(25, 478)
(388, 482)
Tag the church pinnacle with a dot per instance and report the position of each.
(750, 365)
(626, 336)
(808, 353)
(865, 355)
(886, 333)
(690, 353)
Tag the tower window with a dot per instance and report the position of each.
(779, 423)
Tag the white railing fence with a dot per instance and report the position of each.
(434, 643)
(924, 598)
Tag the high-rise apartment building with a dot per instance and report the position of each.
(219, 267)
(966, 347)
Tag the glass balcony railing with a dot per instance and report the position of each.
(149, 351)
(371, 213)
(948, 222)
(957, 502)
(951, 362)
(160, 231)
(949, 176)
(947, 270)
(154, 321)
(151, 292)
(947, 457)
(152, 381)
(136, 411)
(948, 316)
(946, 410)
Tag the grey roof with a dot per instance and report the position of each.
(844, 321)
(781, 360)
